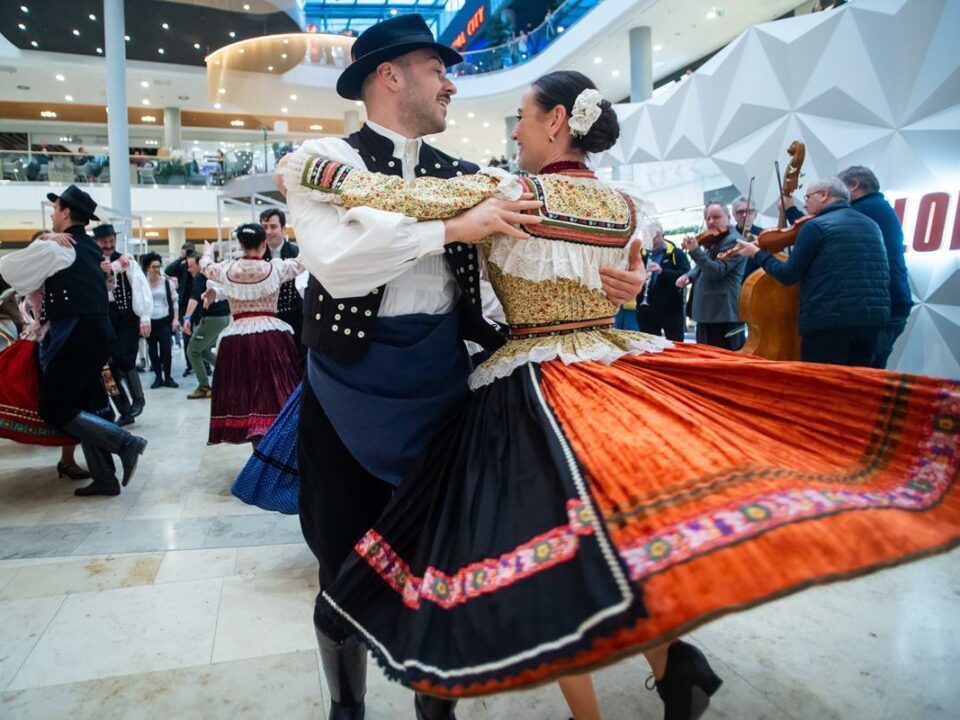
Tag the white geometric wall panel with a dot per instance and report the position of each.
(876, 83)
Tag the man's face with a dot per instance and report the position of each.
(658, 241)
(274, 230)
(59, 217)
(107, 244)
(193, 267)
(744, 215)
(425, 93)
(816, 200)
(716, 217)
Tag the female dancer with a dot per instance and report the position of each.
(257, 360)
(536, 542)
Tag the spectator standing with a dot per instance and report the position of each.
(178, 271)
(164, 321)
(663, 311)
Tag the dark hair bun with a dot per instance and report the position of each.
(562, 88)
(251, 235)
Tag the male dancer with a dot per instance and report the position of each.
(289, 304)
(386, 311)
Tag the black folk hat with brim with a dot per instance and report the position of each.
(76, 199)
(105, 230)
(386, 41)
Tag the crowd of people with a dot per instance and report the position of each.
(477, 525)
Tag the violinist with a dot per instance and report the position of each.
(841, 264)
(745, 215)
(716, 301)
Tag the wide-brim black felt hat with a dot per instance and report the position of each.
(76, 199)
(105, 230)
(385, 41)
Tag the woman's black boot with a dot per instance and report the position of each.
(687, 683)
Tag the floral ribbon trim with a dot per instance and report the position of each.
(928, 480)
(552, 548)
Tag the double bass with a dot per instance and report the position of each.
(769, 308)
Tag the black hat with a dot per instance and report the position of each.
(105, 230)
(385, 41)
(76, 199)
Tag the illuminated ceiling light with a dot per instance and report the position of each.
(196, 142)
(222, 91)
(226, 219)
(393, 11)
(486, 124)
(196, 46)
(283, 56)
(247, 8)
(127, 38)
(597, 60)
(165, 26)
(21, 26)
(99, 51)
(217, 106)
(293, 97)
(35, 43)
(60, 77)
(283, 110)
(237, 123)
(144, 83)
(48, 114)
(68, 98)
(146, 101)
(24, 8)
(712, 14)
(160, 50)
(232, 34)
(616, 73)
(269, 68)
(561, 28)
(242, 51)
(471, 115)
(76, 32)
(465, 140)
(92, 17)
(658, 47)
(316, 127)
(286, 41)
(148, 118)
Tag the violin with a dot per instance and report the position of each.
(773, 240)
(708, 238)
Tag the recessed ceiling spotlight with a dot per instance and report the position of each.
(144, 83)
(242, 51)
(486, 124)
(232, 34)
(76, 32)
(712, 15)
(222, 91)
(658, 47)
(237, 123)
(283, 110)
(92, 17)
(393, 11)
(615, 73)
(597, 60)
(217, 106)
(165, 26)
(464, 139)
(99, 51)
(59, 77)
(247, 8)
(24, 8)
(160, 50)
(146, 101)
(196, 46)
(35, 43)
(286, 41)
(21, 26)
(68, 98)
(269, 68)
(293, 97)
(127, 38)
(316, 127)
(283, 56)
(560, 29)
(471, 115)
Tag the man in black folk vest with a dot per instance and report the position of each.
(387, 308)
(121, 272)
(289, 304)
(66, 265)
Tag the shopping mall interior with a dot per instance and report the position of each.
(179, 596)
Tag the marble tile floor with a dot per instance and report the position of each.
(174, 600)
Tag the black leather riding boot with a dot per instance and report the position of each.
(136, 392)
(102, 470)
(431, 707)
(89, 428)
(345, 667)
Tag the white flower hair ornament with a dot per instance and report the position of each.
(586, 111)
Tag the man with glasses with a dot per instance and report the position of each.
(841, 264)
(745, 215)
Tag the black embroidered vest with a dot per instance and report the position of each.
(289, 302)
(81, 288)
(121, 307)
(340, 327)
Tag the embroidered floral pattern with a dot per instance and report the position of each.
(541, 553)
(930, 477)
(592, 214)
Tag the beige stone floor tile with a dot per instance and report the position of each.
(82, 576)
(22, 622)
(180, 565)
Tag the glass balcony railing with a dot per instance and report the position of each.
(526, 46)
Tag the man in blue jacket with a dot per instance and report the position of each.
(841, 264)
(866, 197)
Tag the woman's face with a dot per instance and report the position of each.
(155, 269)
(532, 133)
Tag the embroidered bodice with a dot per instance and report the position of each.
(252, 287)
(549, 285)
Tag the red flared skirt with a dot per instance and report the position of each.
(20, 398)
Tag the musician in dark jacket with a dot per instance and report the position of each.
(660, 305)
(840, 261)
(66, 264)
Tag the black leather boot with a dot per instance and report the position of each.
(136, 392)
(103, 471)
(122, 402)
(345, 667)
(687, 683)
(431, 707)
(89, 428)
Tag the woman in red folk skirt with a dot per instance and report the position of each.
(258, 366)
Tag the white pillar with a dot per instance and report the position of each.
(117, 129)
(176, 237)
(172, 139)
(641, 64)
